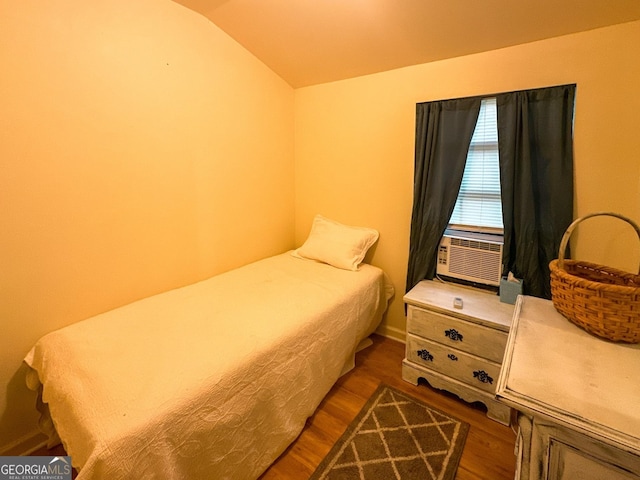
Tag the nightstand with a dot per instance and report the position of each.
(458, 348)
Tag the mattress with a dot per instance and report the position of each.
(212, 380)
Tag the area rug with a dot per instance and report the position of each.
(396, 436)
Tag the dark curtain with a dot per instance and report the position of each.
(443, 135)
(535, 135)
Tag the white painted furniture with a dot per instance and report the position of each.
(457, 349)
(578, 398)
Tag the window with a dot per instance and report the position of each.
(535, 133)
(479, 206)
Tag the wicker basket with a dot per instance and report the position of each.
(603, 301)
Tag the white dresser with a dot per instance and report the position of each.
(457, 348)
(578, 398)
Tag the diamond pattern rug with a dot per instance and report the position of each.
(396, 436)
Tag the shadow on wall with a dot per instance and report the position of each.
(18, 413)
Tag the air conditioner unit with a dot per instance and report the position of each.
(470, 256)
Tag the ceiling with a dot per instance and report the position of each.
(308, 42)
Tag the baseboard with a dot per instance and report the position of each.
(25, 445)
(392, 333)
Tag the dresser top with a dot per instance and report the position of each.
(478, 306)
(555, 369)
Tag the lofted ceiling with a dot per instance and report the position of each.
(309, 42)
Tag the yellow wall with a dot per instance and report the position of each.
(355, 141)
(141, 149)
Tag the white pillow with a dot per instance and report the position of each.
(339, 245)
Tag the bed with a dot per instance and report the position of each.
(211, 380)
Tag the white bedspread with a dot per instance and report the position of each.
(209, 381)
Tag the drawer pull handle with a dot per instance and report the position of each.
(452, 357)
(483, 376)
(425, 355)
(453, 334)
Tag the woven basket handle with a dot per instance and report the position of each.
(574, 224)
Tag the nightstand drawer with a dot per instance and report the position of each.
(476, 339)
(466, 368)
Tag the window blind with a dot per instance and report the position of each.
(479, 205)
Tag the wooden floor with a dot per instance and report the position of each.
(488, 453)
(489, 450)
